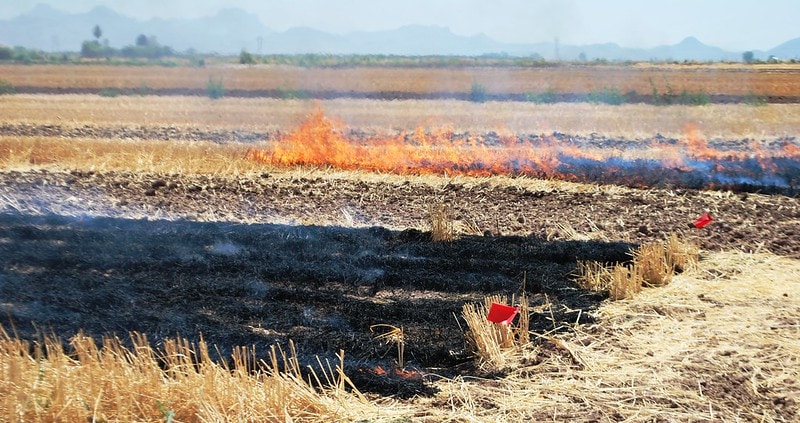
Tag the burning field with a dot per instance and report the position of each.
(321, 233)
(690, 162)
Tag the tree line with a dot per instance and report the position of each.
(144, 47)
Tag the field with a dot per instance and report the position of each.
(728, 83)
(257, 221)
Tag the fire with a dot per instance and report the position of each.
(691, 161)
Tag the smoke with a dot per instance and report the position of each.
(690, 162)
(224, 248)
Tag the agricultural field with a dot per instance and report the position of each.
(646, 82)
(164, 254)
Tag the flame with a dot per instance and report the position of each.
(692, 160)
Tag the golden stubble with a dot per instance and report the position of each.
(629, 121)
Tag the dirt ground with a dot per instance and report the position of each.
(319, 256)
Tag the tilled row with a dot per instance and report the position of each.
(163, 133)
(491, 138)
(741, 221)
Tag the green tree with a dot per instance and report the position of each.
(97, 32)
(748, 57)
(146, 47)
(92, 49)
(246, 58)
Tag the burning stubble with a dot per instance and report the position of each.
(692, 161)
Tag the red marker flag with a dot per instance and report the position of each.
(501, 313)
(703, 220)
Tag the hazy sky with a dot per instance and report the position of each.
(734, 25)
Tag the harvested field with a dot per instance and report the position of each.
(732, 83)
(149, 214)
(261, 259)
(264, 117)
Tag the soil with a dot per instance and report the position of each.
(320, 257)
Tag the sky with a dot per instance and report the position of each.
(733, 25)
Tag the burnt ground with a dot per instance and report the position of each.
(319, 258)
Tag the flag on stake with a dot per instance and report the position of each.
(703, 220)
(501, 313)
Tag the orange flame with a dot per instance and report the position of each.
(320, 141)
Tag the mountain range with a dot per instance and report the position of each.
(232, 30)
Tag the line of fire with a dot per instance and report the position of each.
(690, 162)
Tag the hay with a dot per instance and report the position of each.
(719, 343)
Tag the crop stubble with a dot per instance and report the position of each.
(763, 80)
(207, 255)
(631, 121)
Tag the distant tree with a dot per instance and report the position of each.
(748, 57)
(97, 32)
(246, 58)
(147, 47)
(6, 53)
(92, 49)
(582, 57)
(142, 40)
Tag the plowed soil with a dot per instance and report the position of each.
(319, 257)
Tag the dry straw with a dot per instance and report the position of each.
(393, 335)
(441, 221)
(719, 343)
(179, 382)
(653, 264)
(497, 345)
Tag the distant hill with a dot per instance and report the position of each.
(787, 50)
(233, 30)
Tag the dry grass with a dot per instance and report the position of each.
(736, 80)
(497, 345)
(180, 382)
(717, 344)
(620, 281)
(680, 254)
(163, 157)
(441, 221)
(393, 335)
(653, 264)
(230, 159)
(566, 231)
(633, 121)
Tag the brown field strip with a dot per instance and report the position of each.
(632, 121)
(734, 80)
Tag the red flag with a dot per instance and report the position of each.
(703, 220)
(501, 313)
